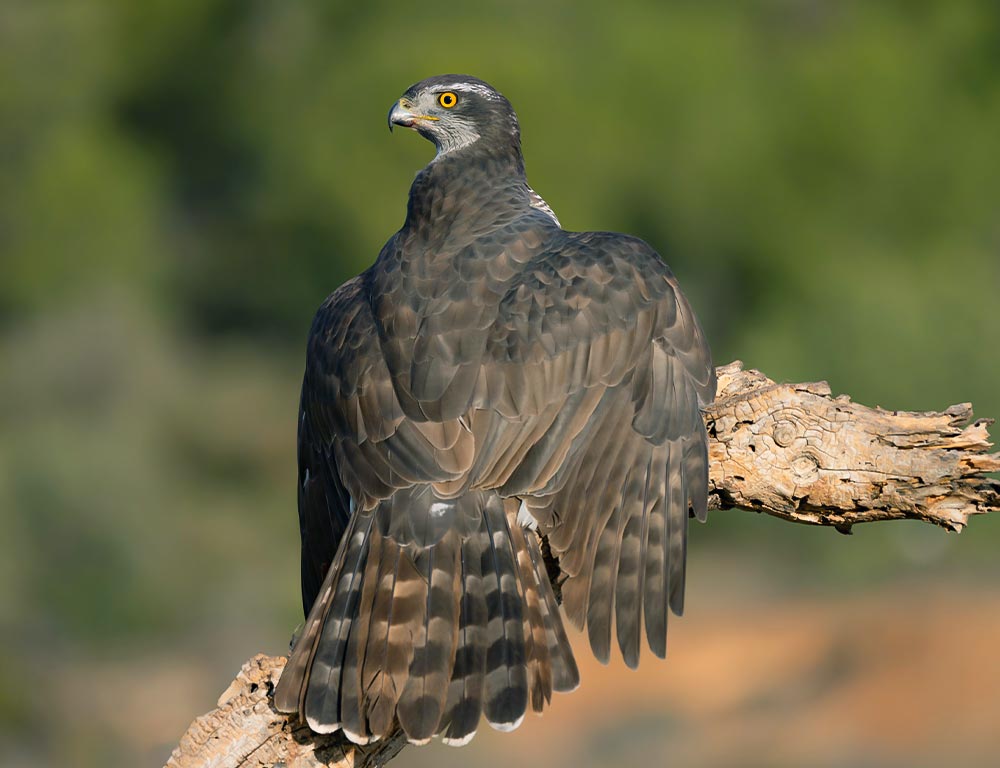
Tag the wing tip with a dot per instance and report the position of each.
(568, 682)
(677, 604)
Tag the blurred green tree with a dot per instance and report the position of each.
(183, 181)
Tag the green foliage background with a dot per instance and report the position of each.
(183, 181)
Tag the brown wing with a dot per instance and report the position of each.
(567, 370)
(355, 445)
(597, 367)
(588, 367)
(324, 505)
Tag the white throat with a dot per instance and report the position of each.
(459, 136)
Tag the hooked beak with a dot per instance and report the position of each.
(402, 114)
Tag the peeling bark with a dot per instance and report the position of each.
(791, 450)
(797, 452)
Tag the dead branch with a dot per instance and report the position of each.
(245, 731)
(790, 450)
(797, 452)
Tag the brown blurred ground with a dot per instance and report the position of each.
(904, 676)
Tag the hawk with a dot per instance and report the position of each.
(493, 384)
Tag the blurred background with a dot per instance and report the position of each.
(183, 181)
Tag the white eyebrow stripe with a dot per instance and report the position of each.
(470, 88)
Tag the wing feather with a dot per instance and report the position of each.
(562, 369)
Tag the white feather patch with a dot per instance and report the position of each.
(439, 508)
(525, 519)
(460, 134)
(467, 87)
(458, 742)
(507, 727)
(318, 727)
(356, 738)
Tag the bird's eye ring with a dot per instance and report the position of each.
(447, 99)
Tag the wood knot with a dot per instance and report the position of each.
(805, 468)
(785, 433)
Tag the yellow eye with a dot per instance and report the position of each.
(447, 99)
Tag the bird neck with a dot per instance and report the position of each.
(483, 182)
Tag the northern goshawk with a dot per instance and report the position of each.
(491, 382)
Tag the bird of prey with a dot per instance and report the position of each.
(492, 387)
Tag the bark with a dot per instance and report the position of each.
(245, 731)
(797, 452)
(790, 450)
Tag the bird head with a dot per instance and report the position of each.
(456, 111)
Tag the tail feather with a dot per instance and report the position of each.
(322, 696)
(422, 703)
(506, 685)
(389, 650)
(429, 632)
(539, 667)
(289, 693)
(352, 717)
(565, 675)
(465, 692)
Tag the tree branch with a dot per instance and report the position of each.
(245, 731)
(790, 450)
(797, 452)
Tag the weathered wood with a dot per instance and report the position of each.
(790, 450)
(245, 731)
(797, 452)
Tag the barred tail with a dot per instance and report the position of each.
(430, 626)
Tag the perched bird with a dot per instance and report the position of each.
(490, 383)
